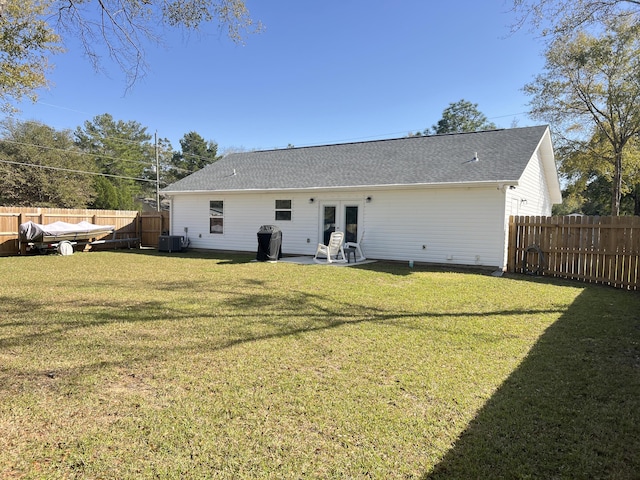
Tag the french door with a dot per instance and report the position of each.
(341, 216)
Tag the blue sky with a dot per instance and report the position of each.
(321, 72)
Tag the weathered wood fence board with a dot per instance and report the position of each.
(591, 249)
(152, 225)
(147, 226)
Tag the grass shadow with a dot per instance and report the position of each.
(379, 266)
(403, 269)
(222, 257)
(571, 409)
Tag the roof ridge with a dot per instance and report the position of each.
(385, 140)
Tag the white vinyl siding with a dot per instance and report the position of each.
(450, 226)
(244, 214)
(532, 193)
(455, 225)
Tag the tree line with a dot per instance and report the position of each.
(105, 164)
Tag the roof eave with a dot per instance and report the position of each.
(475, 184)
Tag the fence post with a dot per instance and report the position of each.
(22, 249)
(511, 244)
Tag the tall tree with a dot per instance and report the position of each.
(461, 116)
(588, 169)
(42, 167)
(591, 89)
(26, 42)
(561, 17)
(122, 150)
(196, 153)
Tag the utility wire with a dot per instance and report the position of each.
(76, 171)
(98, 155)
(123, 140)
(382, 135)
(76, 152)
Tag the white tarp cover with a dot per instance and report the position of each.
(35, 232)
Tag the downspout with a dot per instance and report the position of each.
(504, 245)
(171, 215)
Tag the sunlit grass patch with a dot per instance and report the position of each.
(125, 365)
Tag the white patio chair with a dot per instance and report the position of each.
(358, 247)
(333, 252)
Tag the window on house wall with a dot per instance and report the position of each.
(216, 216)
(283, 209)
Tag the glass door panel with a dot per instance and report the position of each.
(328, 222)
(351, 223)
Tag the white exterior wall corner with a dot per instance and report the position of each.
(533, 192)
(549, 168)
(532, 196)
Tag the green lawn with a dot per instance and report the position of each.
(142, 365)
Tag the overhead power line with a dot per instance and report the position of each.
(101, 156)
(76, 152)
(77, 171)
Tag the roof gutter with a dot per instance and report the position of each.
(499, 184)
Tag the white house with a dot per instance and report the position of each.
(437, 199)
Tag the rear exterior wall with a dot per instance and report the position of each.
(460, 226)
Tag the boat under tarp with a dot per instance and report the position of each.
(32, 232)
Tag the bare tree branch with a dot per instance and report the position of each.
(559, 17)
(121, 29)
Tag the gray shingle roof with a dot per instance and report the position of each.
(439, 159)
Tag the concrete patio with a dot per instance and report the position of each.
(308, 260)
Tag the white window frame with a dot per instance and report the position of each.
(283, 210)
(216, 213)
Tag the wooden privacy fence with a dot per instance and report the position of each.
(602, 250)
(152, 225)
(145, 227)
